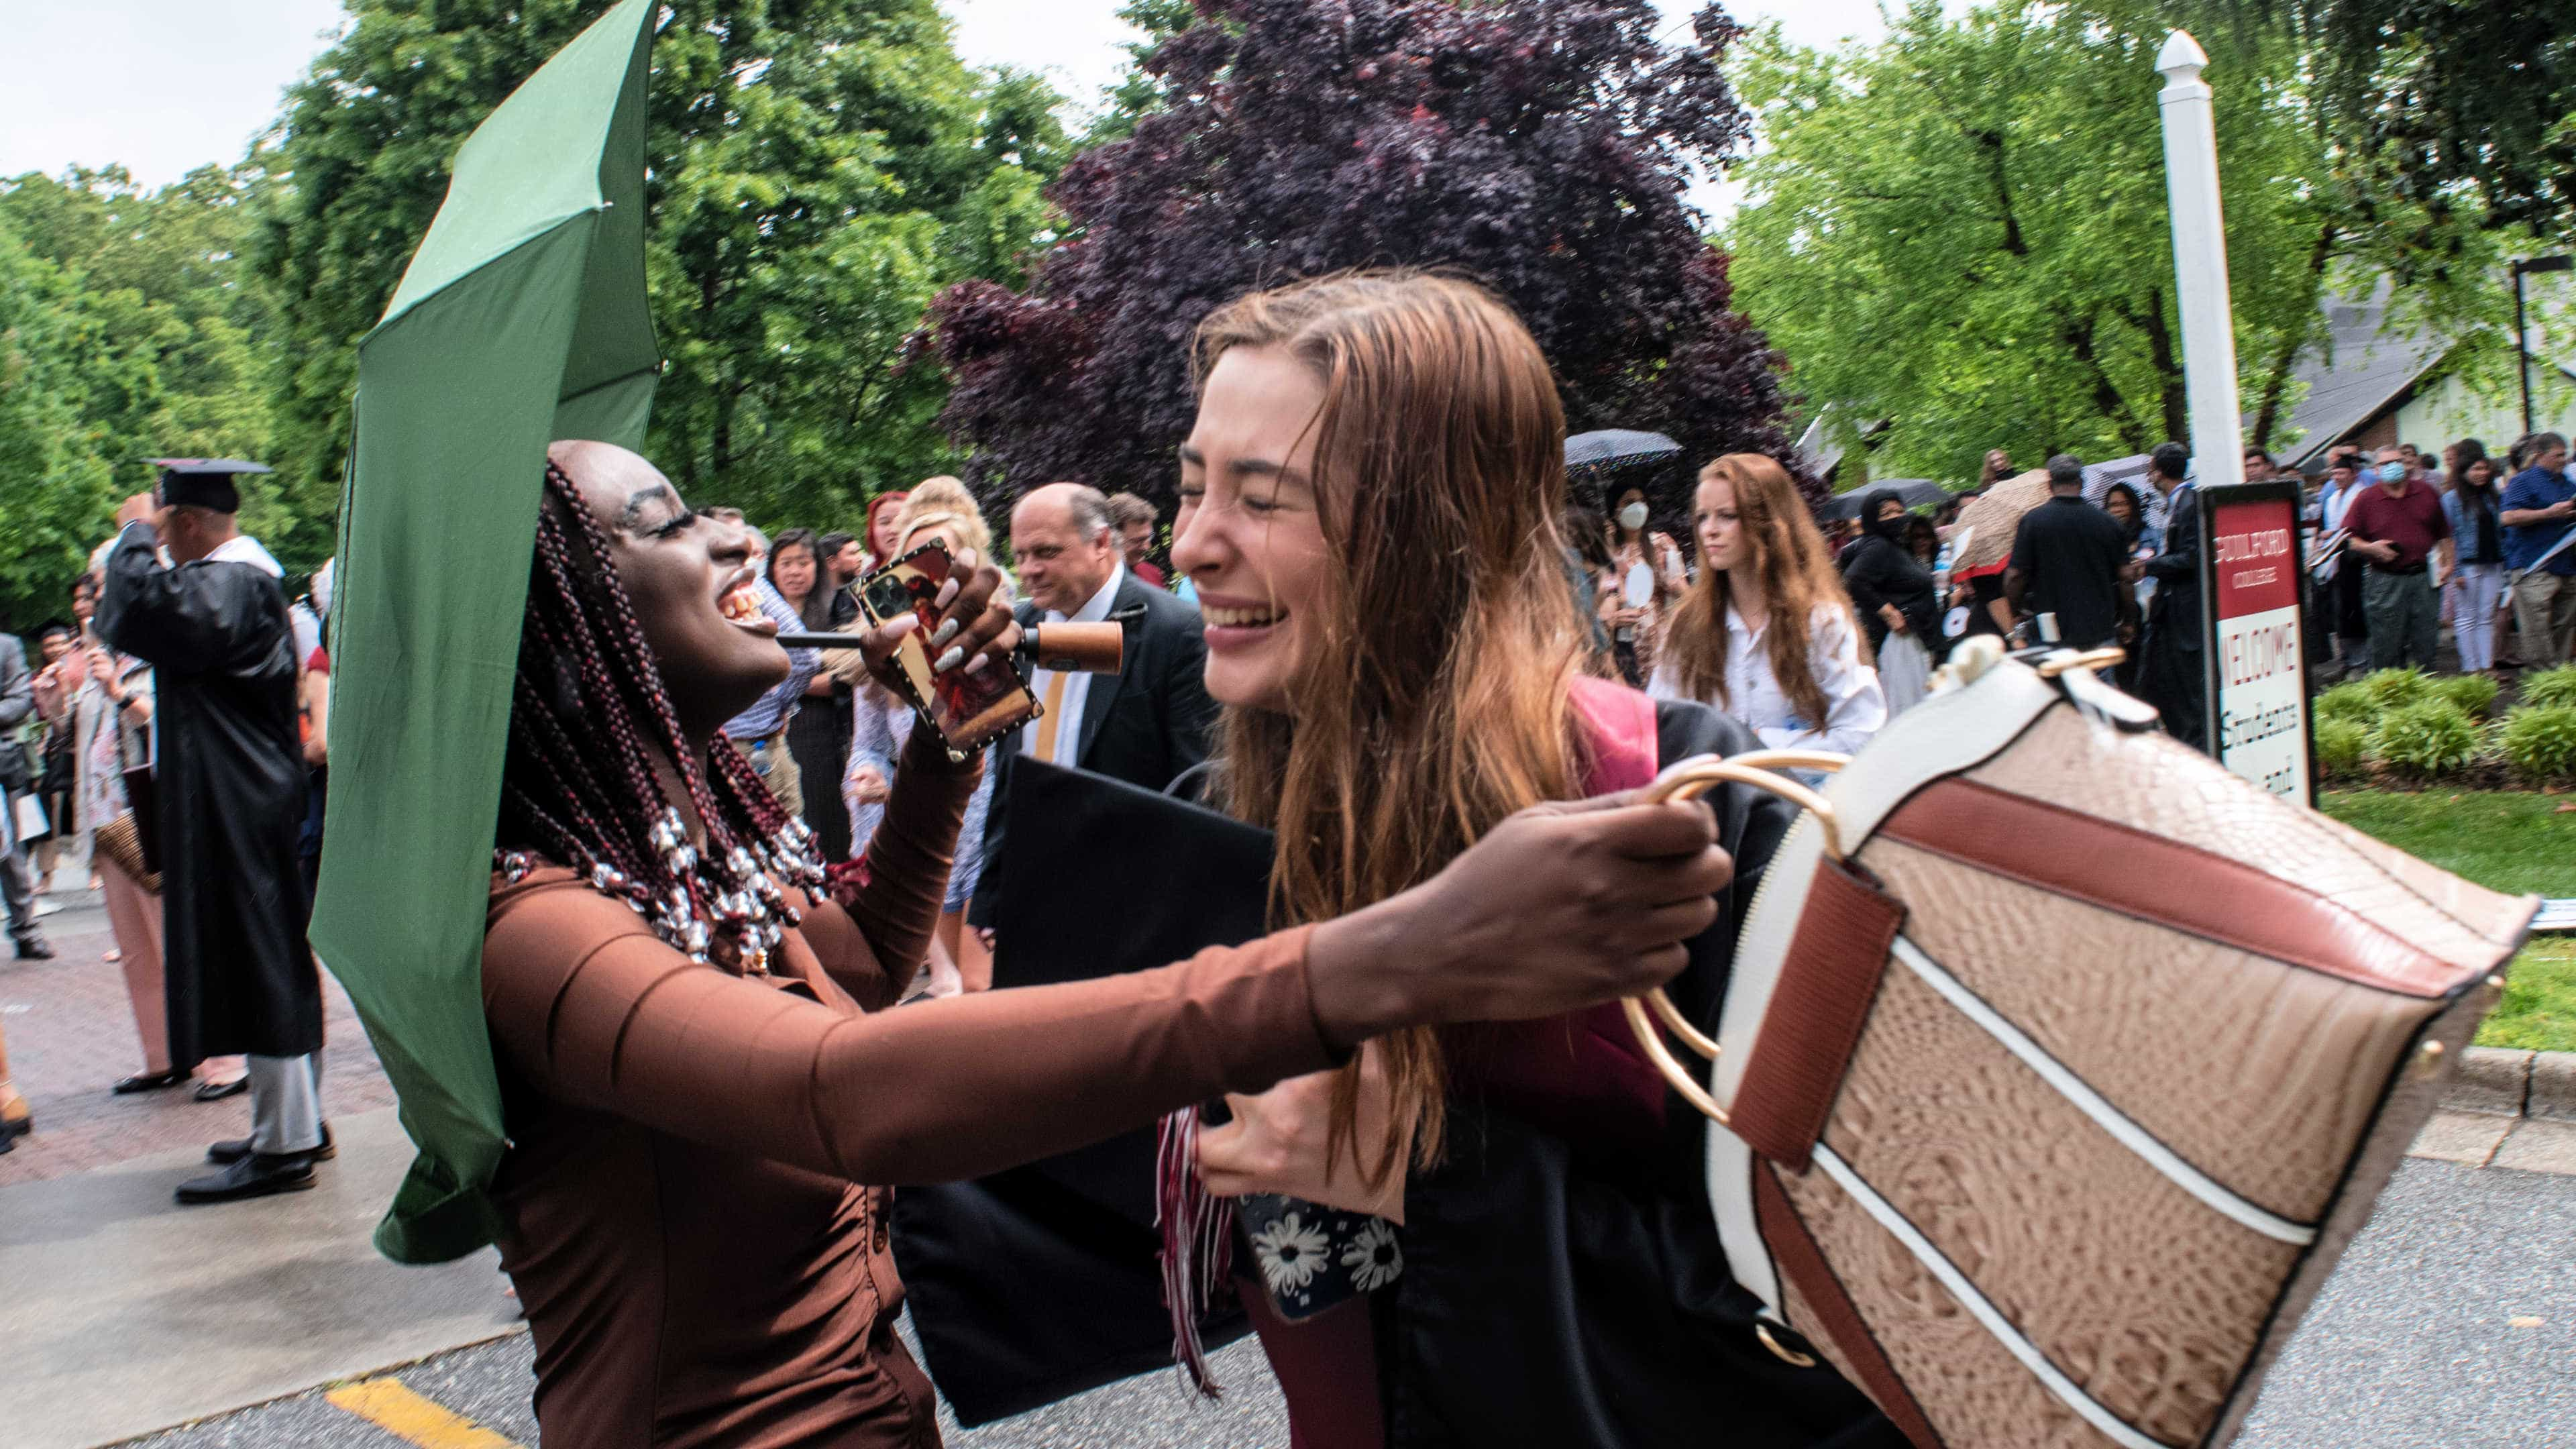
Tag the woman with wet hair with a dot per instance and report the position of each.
(1512, 1216)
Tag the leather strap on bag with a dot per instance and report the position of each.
(1814, 1021)
(1795, 1251)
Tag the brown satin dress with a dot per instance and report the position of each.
(681, 1205)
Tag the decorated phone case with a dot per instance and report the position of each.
(969, 711)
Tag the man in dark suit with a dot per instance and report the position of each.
(1146, 725)
(2173, 679)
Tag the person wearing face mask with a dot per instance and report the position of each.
(1892, 590)
(1648, 568)
(2399, 533)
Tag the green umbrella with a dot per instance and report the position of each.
(522, 319)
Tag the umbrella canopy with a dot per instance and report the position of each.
(522, 319)
(1607, 450)
(1915, 492)
(2098, 478)
(1995, 515)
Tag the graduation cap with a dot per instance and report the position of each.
(203, 482)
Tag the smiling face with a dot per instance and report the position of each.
(1720, 528)
(1250, 531)
(689, 579)
(791, 572)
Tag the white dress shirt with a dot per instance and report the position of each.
(1077, 684)
(1854, 705)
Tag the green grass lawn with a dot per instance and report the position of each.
(2507, 841)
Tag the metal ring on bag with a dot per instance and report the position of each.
(1789, 1356)
(1689, 781)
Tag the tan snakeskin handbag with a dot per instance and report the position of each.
(2059, 1064)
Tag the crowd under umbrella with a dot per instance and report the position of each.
(1606, 462)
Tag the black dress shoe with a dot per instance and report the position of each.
(234, 1149)
(33, 948)
(13, 1128)
(257, 1175)
(217, 1091)
(150, 1081)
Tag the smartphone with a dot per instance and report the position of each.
(969, 711)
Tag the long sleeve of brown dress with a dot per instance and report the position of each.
(682, 1205)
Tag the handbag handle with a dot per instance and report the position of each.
(1688, 781)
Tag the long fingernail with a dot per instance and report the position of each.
(968, 560)
(948, 661)
(976, 664)
(947, 591)
(946, 632)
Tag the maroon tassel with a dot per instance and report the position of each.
(844, 881)
(1198, 1246)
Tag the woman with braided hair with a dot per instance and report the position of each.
(704, 1097)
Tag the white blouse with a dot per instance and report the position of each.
(1854, 706)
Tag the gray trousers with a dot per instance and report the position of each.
(2404, 614)
(2544, 604)
(285, 1103)
(19, 887)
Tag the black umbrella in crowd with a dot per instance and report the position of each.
(1915, 492)
(1605, 451)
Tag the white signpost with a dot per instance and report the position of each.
(2250, 571)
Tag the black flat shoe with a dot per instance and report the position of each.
(35, 950)
(150, 1081)
(217, 1091)
(234, 1149)
(258, 1175)
(13, 1128)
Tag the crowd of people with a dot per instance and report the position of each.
(1383, 656)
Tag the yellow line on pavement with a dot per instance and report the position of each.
(398, 1411)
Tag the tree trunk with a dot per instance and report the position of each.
(2276, 379)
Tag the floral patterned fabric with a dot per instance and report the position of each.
(1311, 1257)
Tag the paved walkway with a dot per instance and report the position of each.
(71, 1034)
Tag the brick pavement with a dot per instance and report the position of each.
(71, 1034)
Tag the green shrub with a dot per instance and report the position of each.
(2424, 740)
(2550, 688)
(2473, 695)
(2341, 746)
(2541, 743)
(2389, 688)
(2349, 700)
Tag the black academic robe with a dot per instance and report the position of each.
(1563, 1283)
(230, 786)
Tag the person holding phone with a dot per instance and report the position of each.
(1646, 566)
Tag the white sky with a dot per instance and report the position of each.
(165, 86)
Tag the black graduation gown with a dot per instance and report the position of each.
(1562, 1286)
(1565, 1287)
(230, 785)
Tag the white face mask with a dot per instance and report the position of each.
(1633, 517)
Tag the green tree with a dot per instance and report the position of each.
(55, 490)
(1140, 92)
(1962, 230)
(819, 170)
(160, 342)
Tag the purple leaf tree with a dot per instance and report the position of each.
(1541, 146)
